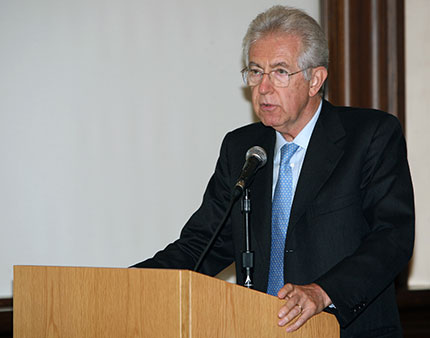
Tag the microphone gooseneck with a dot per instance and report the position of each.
(255, 158)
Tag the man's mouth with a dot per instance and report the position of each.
(267, 106)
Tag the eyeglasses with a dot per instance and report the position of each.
(279, 76)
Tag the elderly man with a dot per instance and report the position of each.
(333, 215)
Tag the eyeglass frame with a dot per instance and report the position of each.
(245, 71)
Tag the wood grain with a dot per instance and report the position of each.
(240, 310)
(90, 302)
(102, 302)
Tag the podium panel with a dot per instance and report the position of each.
(115, 302)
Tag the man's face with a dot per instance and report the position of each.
(288, 109)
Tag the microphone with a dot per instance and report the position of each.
(255, 159)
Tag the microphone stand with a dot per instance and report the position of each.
(247, 255)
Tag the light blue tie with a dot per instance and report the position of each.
(281, 207)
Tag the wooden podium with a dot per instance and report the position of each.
(118, 303)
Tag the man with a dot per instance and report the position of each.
(333, 215)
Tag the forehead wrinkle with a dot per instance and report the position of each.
(273, 65)
(279, 64)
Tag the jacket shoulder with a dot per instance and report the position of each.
(362, 119)
(356, 115)
(256, 128)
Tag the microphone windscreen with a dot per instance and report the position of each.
(258, 152)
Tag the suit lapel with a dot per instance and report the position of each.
(322, 156)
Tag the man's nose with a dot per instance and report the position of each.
(266, 85)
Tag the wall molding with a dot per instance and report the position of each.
(366, 42)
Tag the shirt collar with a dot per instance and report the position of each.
(303, 138)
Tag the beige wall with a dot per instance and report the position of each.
(417, 131)
(111, 118)
(89, 127)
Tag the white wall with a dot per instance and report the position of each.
(111, 117)
(417, 131)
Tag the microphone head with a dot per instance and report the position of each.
(255, 158)
(258, 153)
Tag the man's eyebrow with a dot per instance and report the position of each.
(254, 65)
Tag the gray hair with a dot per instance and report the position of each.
(292, 21)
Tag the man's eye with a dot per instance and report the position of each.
(254, 72)
(281, 72)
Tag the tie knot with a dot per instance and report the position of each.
(287, 151)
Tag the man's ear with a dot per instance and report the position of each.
(319, 75)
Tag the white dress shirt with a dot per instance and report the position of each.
(296, 162)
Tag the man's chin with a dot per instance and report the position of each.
(270, 123)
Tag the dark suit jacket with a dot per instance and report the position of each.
(352, 221)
